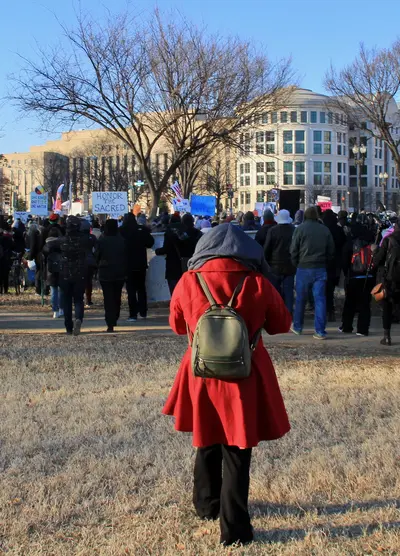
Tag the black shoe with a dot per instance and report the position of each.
(228, 540)
(386, 340)
(69, 332)
(110, 329)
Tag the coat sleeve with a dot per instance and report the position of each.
(165, 248)
(149, 240)
(176, 318)
(295, 246)
(277, 318)
(380, 254)
(330, 247)
(268, 245)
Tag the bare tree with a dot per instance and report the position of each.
(365, 90)
(155, 86)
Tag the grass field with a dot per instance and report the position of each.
(89, 466)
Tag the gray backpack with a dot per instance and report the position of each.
(220, 345)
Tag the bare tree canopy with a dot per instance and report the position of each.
(158, 86)
(366, 90)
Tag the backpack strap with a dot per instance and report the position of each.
(206, 289)
(237, 291)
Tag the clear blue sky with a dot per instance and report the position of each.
(313, 32)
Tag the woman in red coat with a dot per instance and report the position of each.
(228, 418)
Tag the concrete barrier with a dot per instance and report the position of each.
(157, 286)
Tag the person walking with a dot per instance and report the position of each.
(359, 281)
(137, 240)
(111, 263)
(269, 222)
(6, 248)
(277, 254)
(179, 244)
(52, 255)
(312, 250)
(228, 418)
(74, 247)
(387, 261)
(335, 266)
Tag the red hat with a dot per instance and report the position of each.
(53, 217)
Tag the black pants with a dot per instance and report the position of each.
(4, 277)
(89, 284)
(112, 292)
(137, 295)
(172, 285)
(221, 487)
(358, 300)
(331, 284)
(72, 294)
(388, 308)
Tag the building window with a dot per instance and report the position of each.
(270, 142)
(270, 167)
(265, 118)
(337, 119)
(299, 136)
(260, 179)
(322, 117)
(247, 168)
(274, 117)
(322, 173)
(330, 118)
(259, 137)
(288, 142)
(241, 180)
(260, 196)
(247, 180)
(248, 198)
(284, 117)
(242, 199)
(288, 173)
(313, 116)
(260, 167)
(270, 179)
(259, 149)
(293, 117)
(300, 173)
(327, 173)
(303, 117)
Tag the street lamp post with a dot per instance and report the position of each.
(359, 161)
(384, 176)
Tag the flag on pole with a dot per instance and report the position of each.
(58, 201)
(176, 188)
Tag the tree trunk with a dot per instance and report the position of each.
(155, 196)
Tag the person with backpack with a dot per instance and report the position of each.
(226, 392)
(52, 254)
(387, 261)
(359, 281)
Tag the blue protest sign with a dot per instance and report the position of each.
(202, 205)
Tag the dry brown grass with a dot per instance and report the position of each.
(89, 466)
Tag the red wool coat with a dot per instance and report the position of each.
(238, 413)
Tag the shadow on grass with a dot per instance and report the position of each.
(348, 531)
(262, 508)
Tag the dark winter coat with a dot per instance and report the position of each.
(74, 247)
(262, 233)
(7, 247)
(340, 240)
(111, 258)
(312, 246)
(178, 243)
(277, 249)
(52, 254)
(34, 243)
(137, 240)
(380, 258)
(19, 241)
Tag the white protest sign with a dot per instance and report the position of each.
(39, 204)
(114, 203)
(182, 205)
(21, 215)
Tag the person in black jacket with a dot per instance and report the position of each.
(74, 247)
(111, 262)
(277, 254)
(180, 242)
(52, 255)
(335, 266)
(358, 282)
(6, 249)
(390, 247)
(137, 240)
(91, 262)
(269, 222)
(35, 245)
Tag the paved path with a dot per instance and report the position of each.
(29, 321)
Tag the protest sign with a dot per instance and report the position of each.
(202, 205)
(261, 207)
(182, 205)
(325, 205)
(21, 215)
(113, 203)
(39, 204)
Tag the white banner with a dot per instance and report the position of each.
(113, 203)
(39, 204)
(21, 215)
(182, 205)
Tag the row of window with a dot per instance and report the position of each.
(302, 116)
(294, 142)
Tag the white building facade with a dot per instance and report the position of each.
(305, 147)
